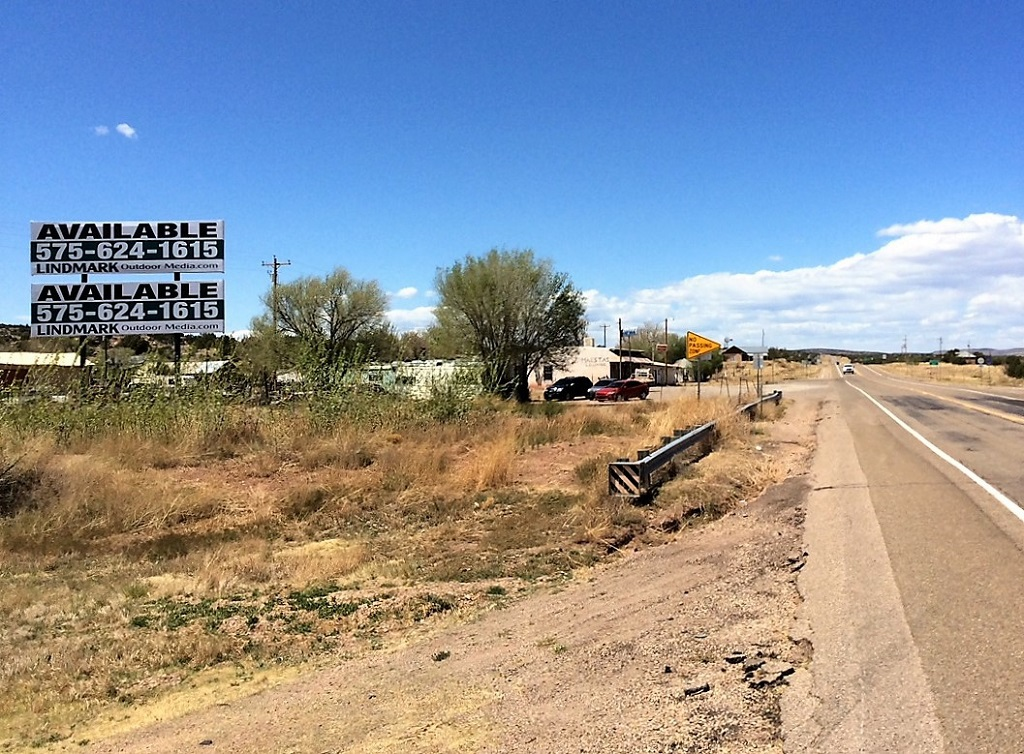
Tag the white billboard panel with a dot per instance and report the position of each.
(192, 307)
(88, 248)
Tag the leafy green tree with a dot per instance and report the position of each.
(513, 312)
(1014, 367)
(379, 343)
(647, 336)
(706, 366)
(325, 316)
(413, 345)
(650, 334)
(443, 344)
(260, 356)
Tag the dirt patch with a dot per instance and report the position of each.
(679, 647)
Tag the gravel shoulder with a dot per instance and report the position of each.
(682, 647)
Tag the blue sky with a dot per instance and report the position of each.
(835, 175)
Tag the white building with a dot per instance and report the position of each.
(599, 363)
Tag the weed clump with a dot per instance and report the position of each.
(16, 487)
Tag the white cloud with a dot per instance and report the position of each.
(955, 279)
(126, 131)
(100, 130)
(407, 292)
(418, 318)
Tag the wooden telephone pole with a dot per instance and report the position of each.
(274, 267)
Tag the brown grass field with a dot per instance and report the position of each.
(156, 543)
(959, 374)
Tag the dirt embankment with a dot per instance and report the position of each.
(682, 647)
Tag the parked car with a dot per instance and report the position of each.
(592, 391)
(623, 390)
(568, 388)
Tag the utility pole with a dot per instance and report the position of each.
(619, 376)
(666, 360)
(604, 337)
(274, 267)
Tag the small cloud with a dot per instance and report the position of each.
(100, 130)
(951, 226)
(405, 320)
(775, 258)
(407, 292)
(126, 131)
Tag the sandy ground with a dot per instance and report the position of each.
(685, 647)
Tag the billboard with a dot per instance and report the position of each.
(127, 308)
(141, 308)
(86, 248)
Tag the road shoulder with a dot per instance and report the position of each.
(865, 689)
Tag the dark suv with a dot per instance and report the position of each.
(568, 388)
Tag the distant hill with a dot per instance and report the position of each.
(13, 333)
(877, 355)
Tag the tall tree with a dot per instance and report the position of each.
(327, 315)
(648, 335)
(513, 312)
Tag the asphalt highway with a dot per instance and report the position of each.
(914, 585)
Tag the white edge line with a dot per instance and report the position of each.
(1005, 501)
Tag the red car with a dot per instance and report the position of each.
(623, 390)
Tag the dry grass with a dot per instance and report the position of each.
(961, 374)
(129, 562)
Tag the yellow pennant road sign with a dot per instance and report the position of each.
(698, 345)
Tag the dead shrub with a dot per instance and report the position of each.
(605, 520)
(717, 483)
(489, 465)
(346, 451)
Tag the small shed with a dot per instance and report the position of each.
(735, 354)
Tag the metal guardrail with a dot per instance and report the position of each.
(635, 478)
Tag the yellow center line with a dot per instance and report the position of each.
(980, 409)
